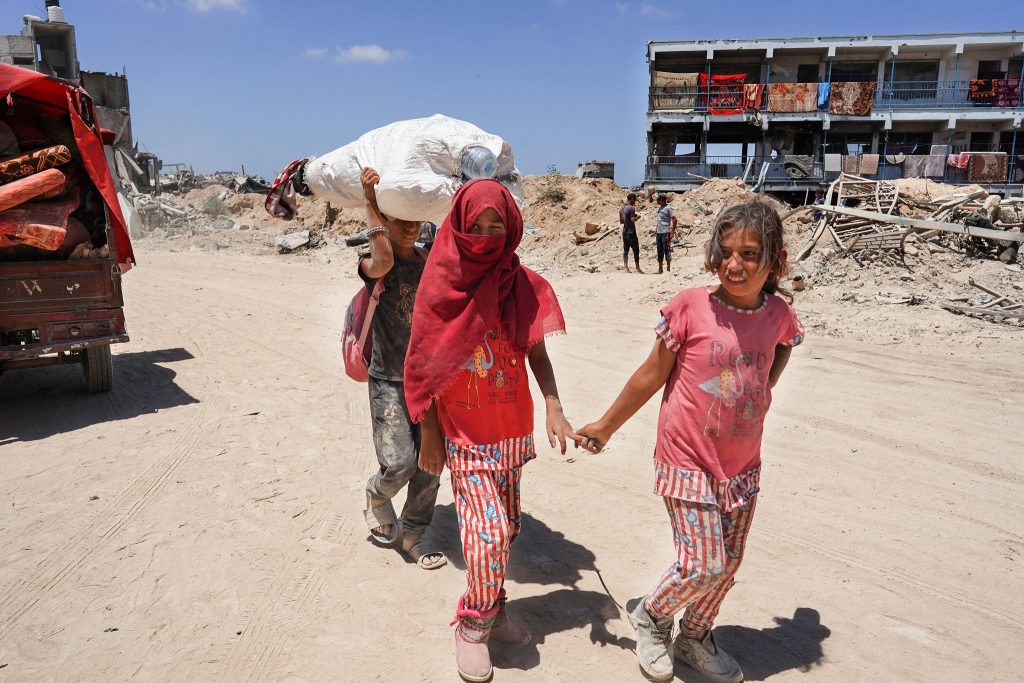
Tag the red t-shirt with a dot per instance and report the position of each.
(715, 401)
(490, 401)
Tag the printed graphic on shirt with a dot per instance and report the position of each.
(495, 373)
(739, 386)
(406, 299)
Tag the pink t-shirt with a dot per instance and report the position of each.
(712, 413)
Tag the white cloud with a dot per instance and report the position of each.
(372, 54)
(645, 10)
(315, 52)
(203, 6)
(654, 11)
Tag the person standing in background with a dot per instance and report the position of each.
(627, 216)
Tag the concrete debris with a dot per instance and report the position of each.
(293, 240)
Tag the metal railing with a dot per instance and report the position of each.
(795, 170)
(891, 95)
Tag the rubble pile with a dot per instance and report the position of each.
(940, 245)
(571, 225)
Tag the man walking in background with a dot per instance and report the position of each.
(627, 216)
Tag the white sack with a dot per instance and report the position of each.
(419, 165)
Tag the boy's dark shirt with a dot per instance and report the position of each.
(392, 321)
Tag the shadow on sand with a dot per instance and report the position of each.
(543, 556)
(41, 402)
(792, 644)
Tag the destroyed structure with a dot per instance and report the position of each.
(788, 114)
(596, 169)
(48, 45)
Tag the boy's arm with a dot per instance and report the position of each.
(782, 354)
(558, 428)
(431, 443)
(645, 382)
(382, 258)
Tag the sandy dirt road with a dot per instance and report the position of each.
(203, 521)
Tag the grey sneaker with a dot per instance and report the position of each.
(706, 657)
(653, 641)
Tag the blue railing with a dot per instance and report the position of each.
(796, 170)
(893, 95)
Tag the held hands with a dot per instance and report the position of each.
(558, 429)
(593, 437)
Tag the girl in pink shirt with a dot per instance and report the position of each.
(719, 352)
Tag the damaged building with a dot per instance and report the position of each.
(788, 114)
(48, 45)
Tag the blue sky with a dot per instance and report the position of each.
(222, 83)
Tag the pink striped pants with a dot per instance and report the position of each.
(487, 503)
(709, 547)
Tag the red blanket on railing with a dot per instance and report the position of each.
(724, 95)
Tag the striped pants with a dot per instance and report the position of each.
(487, 503)
(709, 547)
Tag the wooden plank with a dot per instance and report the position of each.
(955, 228)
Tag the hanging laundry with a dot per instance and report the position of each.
(939, 149)
(851, 99)
(1007, 92)
(677, 92)
(935, 166)
(895, 159)
(724, 93)
(753, 95)
(982, 91)
(958, 161)
(869, 164)
(987, 167)
(924, 166)
(1018, 170)
(851, 163)
(792, 97)
(833, 163)
(823, 92)
(798, 165)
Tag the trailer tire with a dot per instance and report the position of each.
(99, 369)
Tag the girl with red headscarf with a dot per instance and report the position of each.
(479, 317)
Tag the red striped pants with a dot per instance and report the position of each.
(487, 503)
(709, 547)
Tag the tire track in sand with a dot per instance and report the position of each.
(19, 598)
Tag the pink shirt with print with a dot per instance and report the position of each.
(712, 413)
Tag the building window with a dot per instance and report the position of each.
(991, 69)
(854, 71)
(807, 73)
(911, 80)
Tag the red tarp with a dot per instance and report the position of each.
(68, 97)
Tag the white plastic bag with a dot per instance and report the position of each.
(420, 162)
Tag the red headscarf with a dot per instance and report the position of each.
(469, 285)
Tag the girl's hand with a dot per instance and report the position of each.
(593, 437)
(369, 178)
(559, 429)
(432, 457)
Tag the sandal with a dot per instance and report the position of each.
(423, 554)
(379, 516)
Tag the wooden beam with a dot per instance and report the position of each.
(923, 224)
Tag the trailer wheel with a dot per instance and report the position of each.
(99, 369)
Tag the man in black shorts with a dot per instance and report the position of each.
(627, 216)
